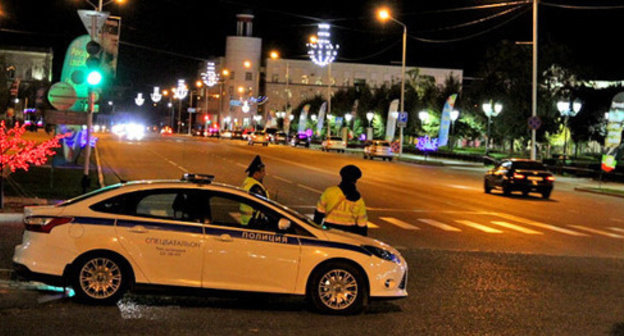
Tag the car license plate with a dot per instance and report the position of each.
(535, 178)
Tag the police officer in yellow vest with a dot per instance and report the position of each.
(342, 206)
(253, 183)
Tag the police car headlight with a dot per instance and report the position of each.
(381, 253)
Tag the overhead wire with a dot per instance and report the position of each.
(551, 4)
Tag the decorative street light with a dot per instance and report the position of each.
(369, 117)
(156, 96)
(568, 109)
(348, 118)
(384, 15)
(180, 93)
(139, 100)
(322, 52)
(491, 110)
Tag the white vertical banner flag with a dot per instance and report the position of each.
(392, 118)
(287, 120)
(446, 120)
(303, 118)
(321, 117)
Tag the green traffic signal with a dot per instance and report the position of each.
(94, 78)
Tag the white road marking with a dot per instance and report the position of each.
(309, 188)
(281, 179)
(617, 229)
(598, 232)
(538, 224)
(616, 220)
(171, 162)
(369, 224)
(457, 186)
(241, 165)
(478, 226)
(517, 228)
(399, 223)
(439, 225)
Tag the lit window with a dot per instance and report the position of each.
(248, 76)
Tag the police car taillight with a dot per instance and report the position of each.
(45, 224)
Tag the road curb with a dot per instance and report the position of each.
(588, 190)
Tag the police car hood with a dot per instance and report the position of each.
(354, 239)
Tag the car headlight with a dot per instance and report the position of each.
(381, 253)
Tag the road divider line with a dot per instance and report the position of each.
(399, 223)
(170, 162)
(439, 225)
(309, 188)
(241, 165)
(478, 226)
(598, 232)
(538, 224)
(516, 227)
(281, 179)
(616, 229)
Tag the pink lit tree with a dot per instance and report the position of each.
(18, 153)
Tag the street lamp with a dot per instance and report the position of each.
(491, 110)
(384, 15)
(180, 93)
(568, 109)
(348, 118)
(423, 116)
(454, 116)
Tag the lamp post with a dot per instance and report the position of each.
(384, 15)
(568, 109)
(369, 129)
(454, 116)
(180, 93)
(491, 110)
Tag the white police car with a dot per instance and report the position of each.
(188, 233)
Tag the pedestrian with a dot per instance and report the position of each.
(342, 206)
(253, 183)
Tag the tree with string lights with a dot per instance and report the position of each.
(18, 153)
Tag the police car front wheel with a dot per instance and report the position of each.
(338, 288)
(99, 279)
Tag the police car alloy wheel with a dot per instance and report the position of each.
(100, 279)
(338, 288)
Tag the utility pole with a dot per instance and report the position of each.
(534, 86)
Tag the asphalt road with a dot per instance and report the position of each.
(479, 264)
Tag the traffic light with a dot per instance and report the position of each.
(94, 75)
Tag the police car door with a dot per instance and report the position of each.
(161, 233)
(250, 257)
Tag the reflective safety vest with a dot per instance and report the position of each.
(339, 210)
(247, 212)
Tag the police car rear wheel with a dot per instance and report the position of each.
(338, 288)
(99, 279)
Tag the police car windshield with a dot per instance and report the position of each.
(291, 212)
(89, 195)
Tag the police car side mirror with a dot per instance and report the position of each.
(283, 224)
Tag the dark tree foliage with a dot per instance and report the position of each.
(4, 89)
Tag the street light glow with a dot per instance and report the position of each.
(247, 64)
(274, 55)
(383, 14)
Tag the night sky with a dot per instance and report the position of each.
(162, 40)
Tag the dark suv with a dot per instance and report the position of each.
(519, 175)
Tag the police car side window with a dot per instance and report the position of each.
(234, 211)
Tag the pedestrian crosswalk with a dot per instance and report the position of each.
(485, 223)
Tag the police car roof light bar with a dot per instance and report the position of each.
(198, 178)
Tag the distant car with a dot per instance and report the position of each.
(334, 143)
(300, 140)
(166, 131)
(237, 135)
(280, 137)
(378, 148)
(519, 175)
(258, 137)
(226, 134)
(192, 233)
